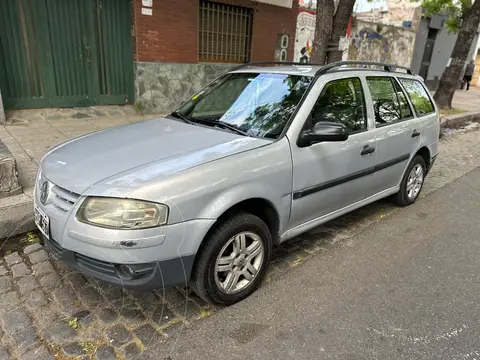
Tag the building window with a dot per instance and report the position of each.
(225, 33)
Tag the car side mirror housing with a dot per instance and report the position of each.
(323, 131)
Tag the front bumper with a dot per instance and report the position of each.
(153, 275)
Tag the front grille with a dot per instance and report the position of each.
(63, 199)
(95, 265)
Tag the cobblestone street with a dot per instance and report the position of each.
(50, 312)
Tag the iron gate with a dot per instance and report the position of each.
(57, 53)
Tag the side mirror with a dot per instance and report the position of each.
(323, 131)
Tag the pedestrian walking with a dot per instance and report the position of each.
(468, 74)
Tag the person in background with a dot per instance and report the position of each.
(468, 74)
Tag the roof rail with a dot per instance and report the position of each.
(325, 68)
(386, 67)
(257, 63)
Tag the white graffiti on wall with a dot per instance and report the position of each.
(304, 37)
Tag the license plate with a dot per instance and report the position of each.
(42, 221)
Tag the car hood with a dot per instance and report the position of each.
(157, 148)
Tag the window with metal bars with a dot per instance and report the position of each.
(225, 33)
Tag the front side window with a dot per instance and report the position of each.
(418, 96)
(342, 101)
(257, 104)
(386, 105)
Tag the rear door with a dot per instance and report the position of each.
(397, 132)
(425, 112)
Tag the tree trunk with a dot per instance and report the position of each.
(450, 80)
(340, 24)
(323, 30)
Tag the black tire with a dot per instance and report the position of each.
(203, 276)
(401, 198)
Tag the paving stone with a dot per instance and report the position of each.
(131, 351)
(107, 315)
(15, 320)
(32, 248)
(162, 316)
(174, 329)
(147, 300)
(38, 256)
(50, 281)
(42, 269)
(77, 280)
(25, 338)
(40, 353)
(4, 354)
(181, 305)
(3, 270)
(8, 301)
(84, 317)
(5, 284)
(132, 316)
(90, 296)
(27, 284)
(65, 296)
(105, 353)
(80, 116)
(118, 335)
(19, 270)
(147, 334)
(12, 259)
(35, 300)
(74, 349)
(59, 332)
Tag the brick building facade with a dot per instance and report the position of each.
(168, 45)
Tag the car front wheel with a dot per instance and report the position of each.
(233, 260)
(412, 182)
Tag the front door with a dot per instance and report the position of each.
(57, 53)
(397, 132)
(329, 176)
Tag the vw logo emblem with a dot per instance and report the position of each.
(44, 192)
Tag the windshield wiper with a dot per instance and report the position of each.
(181, 116)
(223, 124)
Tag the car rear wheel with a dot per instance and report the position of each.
(233, 260)
(412, 182)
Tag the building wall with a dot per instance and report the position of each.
(378, 42)
(420, 42)
(166, 48)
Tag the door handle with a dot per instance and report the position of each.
(415, 133)
(367, 149)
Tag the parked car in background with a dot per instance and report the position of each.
(259, 156)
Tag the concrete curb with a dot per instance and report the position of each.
(9, 181)
(459, 119)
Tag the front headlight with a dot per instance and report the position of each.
(122, 213)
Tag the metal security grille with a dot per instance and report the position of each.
(224, 33)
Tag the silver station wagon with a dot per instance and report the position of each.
(260, 155)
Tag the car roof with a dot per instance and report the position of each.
(311, 70)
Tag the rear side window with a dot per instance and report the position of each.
(342, 101)
(385, 101)
(418, 96)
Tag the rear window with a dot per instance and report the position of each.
(418, 96)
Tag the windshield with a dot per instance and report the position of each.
(257, 104)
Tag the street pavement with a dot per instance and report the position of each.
(342, 287)
(408, 287)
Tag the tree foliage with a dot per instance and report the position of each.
(454, 9)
